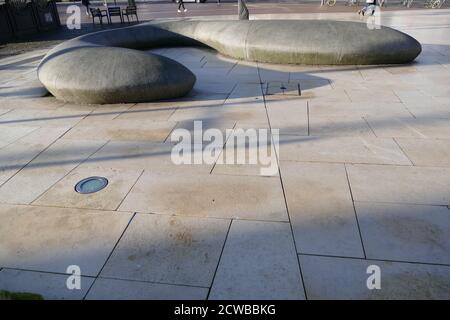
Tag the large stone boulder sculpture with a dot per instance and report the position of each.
(317, 42)
(107, 66)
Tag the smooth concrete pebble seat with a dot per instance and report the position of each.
(107, 66)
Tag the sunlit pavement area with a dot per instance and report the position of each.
(364, 179)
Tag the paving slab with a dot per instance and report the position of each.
(198, 111)
(268, 75)
(205, 195)
(374, 73)
(245, 92)
(103, 112)
(15, 156)
(342, 149)
(430, 111)
(208, 87)
(51, 239)
(282, 89)
(357, 95)
(152, 111)
(213, 75)
(249, 150)
(340, 278)
(400, 184)
(50, 286)
(258, 262)
(434, 127)
(415, 96)
(41, 103)
(199, 128)
(395, 127)
(341, 126)
(142, 155)
(244, 112)
(410, 128)
(325, 96)
(11, 134)
(321, 209)
(47, 169)
(111, 289)
(290, 116)
(169, 249)
(63, 194)
(23, 89)
(405, 232)
(247, 73)
(358, 109)
(348, 73)
(42, 118)
(426, 152)
(134, 130)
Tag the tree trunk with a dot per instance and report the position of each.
(243, 11)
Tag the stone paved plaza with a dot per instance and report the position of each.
(364, 179)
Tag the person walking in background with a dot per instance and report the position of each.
(86, 3)
(369, 8)
(218, 2)
(181, 5)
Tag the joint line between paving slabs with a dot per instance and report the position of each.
(153, 282)
(123, 199)
(348, 96)
(374, 259)
(82, 118)
(7, 111)
(220, 258)
(44, 271)
(399, 99)
(122, 112)
(360, 73)
(229, 94)
(231, 69)
(173, 128)
(43, 150)
(20, 138)
(409, 111)
(354, 210)
(110, 254)
(370, 127)
(285, 203)
(307, 117)
(403, 151)
(223, 149)
(69, 172)
(292, 234)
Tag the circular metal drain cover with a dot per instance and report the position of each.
(91, 185)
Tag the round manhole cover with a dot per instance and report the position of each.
(91, 185)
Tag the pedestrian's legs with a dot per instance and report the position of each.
(181, 5)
